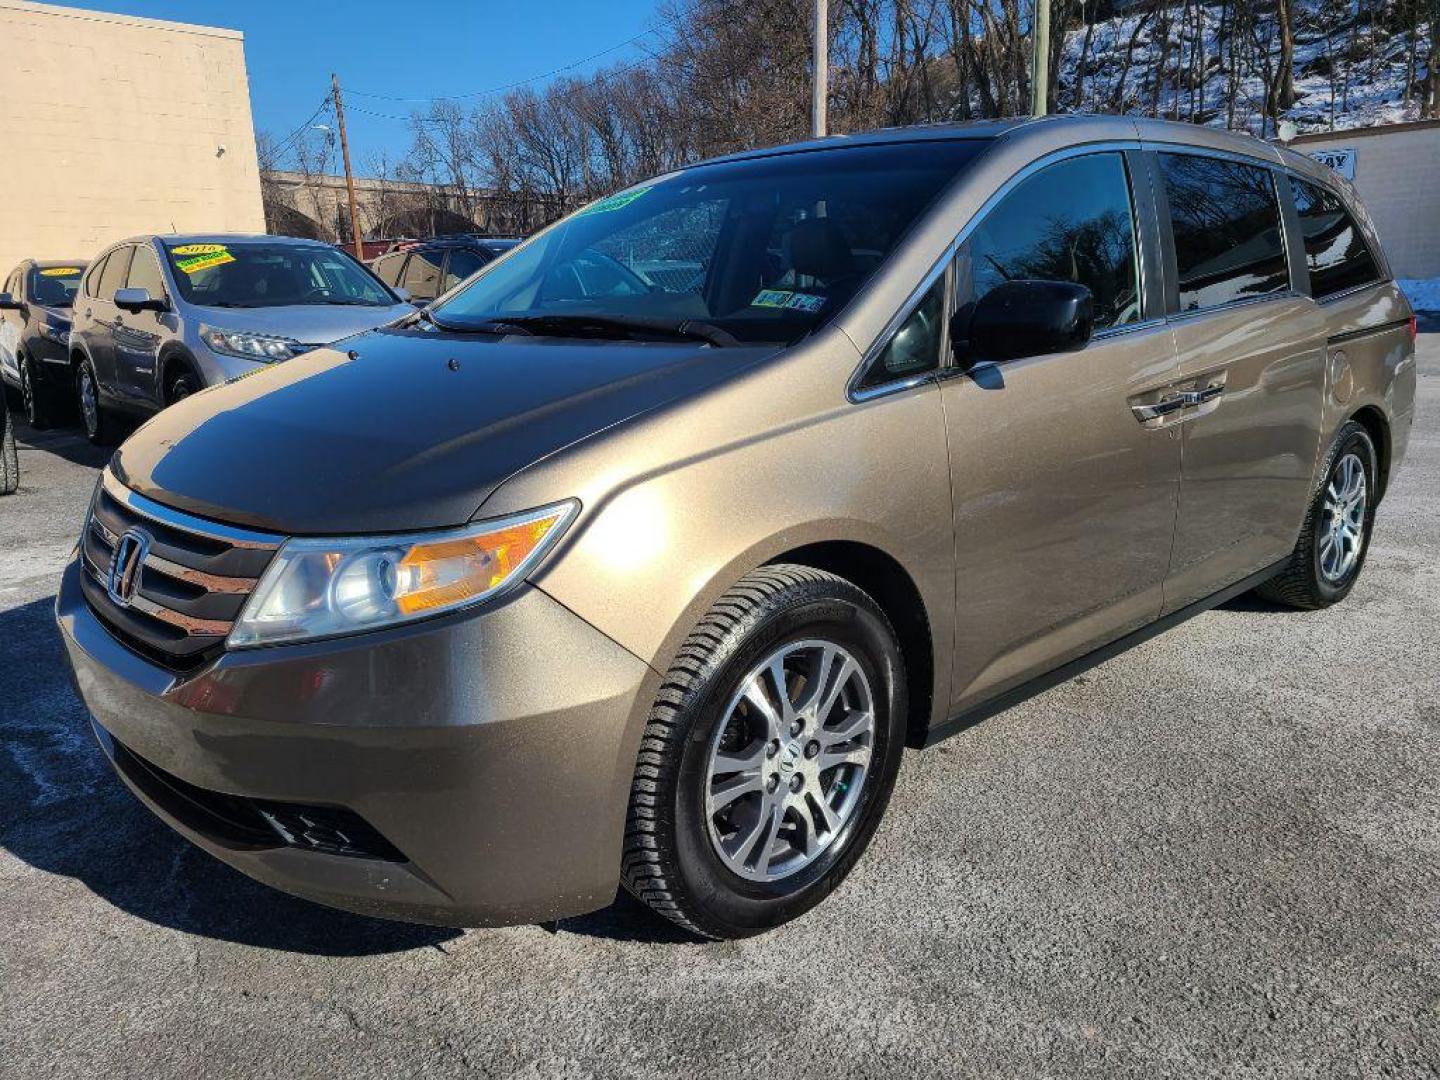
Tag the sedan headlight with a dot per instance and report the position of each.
(323, 587)
(56, 332)
(263, 347)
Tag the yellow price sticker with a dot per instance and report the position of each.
(198, 249)
(60, 271)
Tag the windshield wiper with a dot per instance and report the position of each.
(489, 326)
(693, 329)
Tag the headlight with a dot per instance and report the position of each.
(263, 347)
(58, 334)
(324, 587)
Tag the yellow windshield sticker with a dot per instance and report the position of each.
(197, 249)
(193, 264)
(791, 301)
(60, 271)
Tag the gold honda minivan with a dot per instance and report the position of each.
(641, 556)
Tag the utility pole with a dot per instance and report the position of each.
(1040, 59)
(821, 87)
(349, 176)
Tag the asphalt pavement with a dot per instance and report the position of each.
(1216, 855)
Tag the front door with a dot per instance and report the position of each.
(11, 322)
(1252, 358)
(138, 334)
(1065, 486)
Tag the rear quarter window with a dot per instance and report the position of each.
(1229, 245)
(1336, 253)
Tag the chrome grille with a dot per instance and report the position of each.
(191, 585)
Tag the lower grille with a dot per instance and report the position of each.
(189, 580)
(246, 824)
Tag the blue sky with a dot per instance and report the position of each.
(445, 47)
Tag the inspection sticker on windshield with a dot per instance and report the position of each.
(793, 301)
(192, 258)
(60, 271)
(614, 202)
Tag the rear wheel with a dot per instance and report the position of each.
(33, 397)
(1330, 553)
(770, 755)
(99, 424)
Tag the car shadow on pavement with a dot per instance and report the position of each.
(64, 442)
(64, 812)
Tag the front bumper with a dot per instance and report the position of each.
(494, 750)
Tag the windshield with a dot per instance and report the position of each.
(765, 249)
(55, 286)
(255, 275)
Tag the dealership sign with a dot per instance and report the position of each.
(1342, 161)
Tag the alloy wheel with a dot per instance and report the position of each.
(89, 403)
(1342, 519)
(789, 761)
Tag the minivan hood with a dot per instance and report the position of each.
(405, 430)
(313, 324)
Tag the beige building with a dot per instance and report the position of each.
(115, 125)
(1395, 169)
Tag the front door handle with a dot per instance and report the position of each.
(1164, 407)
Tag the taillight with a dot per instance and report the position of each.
(1414, 329)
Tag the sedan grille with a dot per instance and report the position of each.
(183, 580)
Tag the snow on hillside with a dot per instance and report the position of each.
(1375, 94)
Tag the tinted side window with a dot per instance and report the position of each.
(387, 267)
(422, 275)
(145, 273)
(462, 264)
(1228, 240)
(1072, 221)
(1335, 249)
(96, 272)
(117, 267)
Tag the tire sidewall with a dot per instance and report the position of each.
(739, 906)
(1352, 438)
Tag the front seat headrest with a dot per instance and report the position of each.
(818, 249)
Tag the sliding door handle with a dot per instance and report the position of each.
(1200, 397)
(1164, 407)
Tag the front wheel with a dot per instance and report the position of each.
(770, 756)
(9, 455)
(1331, 550)
(99, 425)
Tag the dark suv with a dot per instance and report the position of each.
(427, 268)
(35, 303)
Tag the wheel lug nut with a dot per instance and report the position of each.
(772, 748)
(812, 749)
(796, 727)
(797, 782)
(772, 783)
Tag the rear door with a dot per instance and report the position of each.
(422, 274)
(1251, 350)
(1064, 495)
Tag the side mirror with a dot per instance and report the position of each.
(138, 300)
(9, 303)
(1030, 318)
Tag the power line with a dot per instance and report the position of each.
(289, 142)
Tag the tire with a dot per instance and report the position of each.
(1314, 577)
(33, 398)
(9, 456)
(180, 386)
(99, 425)
(681, 856)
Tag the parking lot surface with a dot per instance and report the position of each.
(1218, 854)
